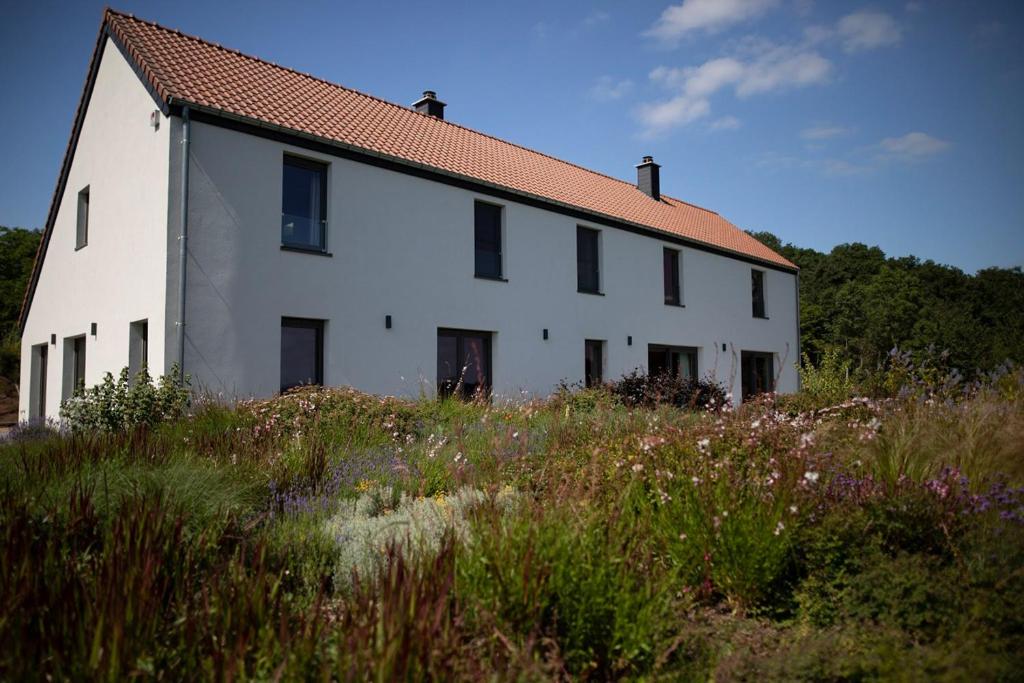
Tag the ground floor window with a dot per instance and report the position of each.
(74, 365)
(758, 373)
(37, 395)
(680, 361)
(138, 348)
(463, 363)
(302, 352)
(593, 355)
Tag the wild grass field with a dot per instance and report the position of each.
(332, 535)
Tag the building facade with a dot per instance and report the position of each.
(314, 255)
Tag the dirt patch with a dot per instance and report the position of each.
(8, 402)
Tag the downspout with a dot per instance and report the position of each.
(183, 243)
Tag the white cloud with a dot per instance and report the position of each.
(777, 67)
(596, 17)
(867, 30)
(705, 15)
(725, 123)
(912, 147)
(823, 132)
(606, 88)
(679, 111)
(784, 67)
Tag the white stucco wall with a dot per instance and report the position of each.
(403, 246)
(120, 277)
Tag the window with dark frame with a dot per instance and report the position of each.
(463, 363)
(304, 204)
(680, 361)
(588, 276)
(78, 365)
(593, 365)
(138, 348)
(40, 359)
(487, 240)
(757, 292)
(302, 352)
(757, 370)
(670, 263)
(82, 226)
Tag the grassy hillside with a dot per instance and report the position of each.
(329, 534)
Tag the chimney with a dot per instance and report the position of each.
(429, 105)
(648, 177)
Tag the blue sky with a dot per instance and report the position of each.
(898, 124)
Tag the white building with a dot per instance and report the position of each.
(334, 237)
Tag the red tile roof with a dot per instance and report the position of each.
(186, 70)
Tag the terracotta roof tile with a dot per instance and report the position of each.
(190, 70)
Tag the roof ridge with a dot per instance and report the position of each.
(389, 103)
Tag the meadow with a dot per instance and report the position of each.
(332, 535)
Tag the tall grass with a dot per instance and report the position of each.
(328, 534)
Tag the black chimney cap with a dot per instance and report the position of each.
(430, 105)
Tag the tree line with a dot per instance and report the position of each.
(857, 301)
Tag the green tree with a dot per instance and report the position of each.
(17, 254)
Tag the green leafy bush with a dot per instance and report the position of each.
(119, 405)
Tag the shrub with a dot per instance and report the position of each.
(119, 405)
(384, 517)
(825, 385)
(639, 389)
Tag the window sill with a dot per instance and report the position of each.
(304, 250)
(81, 246)
(491, 278)
(590, 291)
(675, 305)
(761, 317)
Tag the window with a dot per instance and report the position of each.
(463, 363)
(302, 352)
(37, 398)
(588, 277)
(670, 261)
(82, 231)
(677, 360)
(487, 239)
(757, 292)
(758, 373)
(74, 365)
(304, 205)
(138, 348)
(593, 354)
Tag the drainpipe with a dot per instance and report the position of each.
(183, 243)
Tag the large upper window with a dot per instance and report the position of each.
(463, 363)
(487, 239)
(588, 276)
(82, 229)
(593, 362)
(757, 292)
(302, 352)
(670, 264)
(680, 361)
(304, 204)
